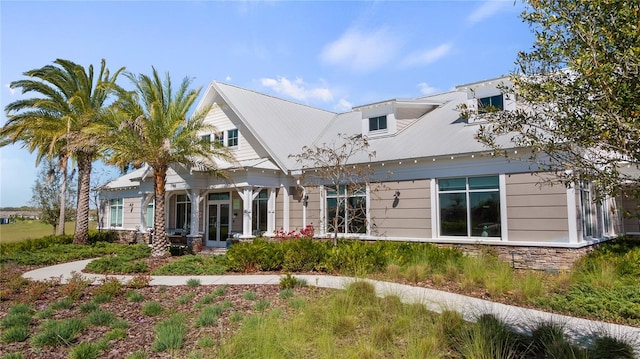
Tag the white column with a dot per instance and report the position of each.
(194, 196)
(572, 214)
(247, 217)
(271, 211)
(368, 209)
(144, 203)
(285, 208)
(504, 221)
(433, 187)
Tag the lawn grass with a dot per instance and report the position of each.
(22, 230)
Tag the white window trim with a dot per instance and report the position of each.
(111, 206)
(323, 213)
(435, 210)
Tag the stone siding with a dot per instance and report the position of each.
(133, 237)
(539, 258)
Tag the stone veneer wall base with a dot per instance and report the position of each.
(538, 258)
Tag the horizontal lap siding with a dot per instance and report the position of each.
(411, 218)
(535, 213)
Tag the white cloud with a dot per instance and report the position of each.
(362, 51)
(425, 89)
(297, 89)
(486, 10)
(228, 78)
(429, 56)
(343, 106)
(11, 91)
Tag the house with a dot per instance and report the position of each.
(444, 186)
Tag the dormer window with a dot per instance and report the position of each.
(377, 123)
(490, 104)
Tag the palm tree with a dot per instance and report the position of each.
(65, 120)
(156, 132)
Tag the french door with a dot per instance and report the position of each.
(218, 219)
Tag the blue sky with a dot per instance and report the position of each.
(327, 54)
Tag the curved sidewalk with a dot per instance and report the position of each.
(521, 319)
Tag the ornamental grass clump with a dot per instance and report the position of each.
(58, 332)
(170, 334)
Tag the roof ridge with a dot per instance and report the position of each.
(274, 97)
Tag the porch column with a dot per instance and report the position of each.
(271, 211)
(195, 196)
(144, 203)
(285, 208)
(247, 197)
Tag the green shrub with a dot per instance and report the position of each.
(256, 255)
(32, 245)
(103, 236)
(16, 333)
(289, 281)
(151, 309)
(193, 282)
(116, 334)
(84, 351)
(139, 281)
(140, 354)
(355, 257)
(610, 347)
(208, 316)
(220, 291)
(16, 319)
(110, 286)
(170, 334)
(102, 298)
(261, 305)
(16, 355)
(21, 308)
(134, 296)
(286, 293)
(58, 332)
(249, 295)
(65, 303)
(100, 317)
(185, 298)
(75, 286)
(88, 307)
(206, 341)
(304, 255)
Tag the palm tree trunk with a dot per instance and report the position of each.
(81, 235)
(63, 161)
(160, 243)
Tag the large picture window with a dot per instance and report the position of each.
(346, 210)
(183, 211)
(116, 212)
(469, 206)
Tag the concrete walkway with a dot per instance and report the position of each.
(521, 319)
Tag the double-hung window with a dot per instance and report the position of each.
(116, 212)
(149, 215)
(259, 210)
(232, 138)
(469, 206)
(346, 210)
(183, 211)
